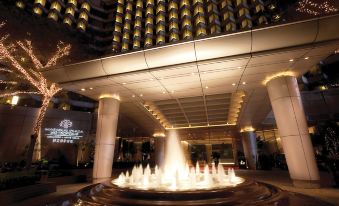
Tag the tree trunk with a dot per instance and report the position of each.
(36, 130)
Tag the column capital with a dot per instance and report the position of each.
(247, 129)
(159, 134)
(278, 75)
(110, 96)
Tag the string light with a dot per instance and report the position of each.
(315, 9)
(32, 76)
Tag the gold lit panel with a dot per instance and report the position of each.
(145, 23)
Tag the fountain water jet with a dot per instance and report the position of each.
(176, 175)
(177, 184)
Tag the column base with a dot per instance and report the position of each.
(307, 184)
(99, 180)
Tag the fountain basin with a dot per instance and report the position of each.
(247, 193)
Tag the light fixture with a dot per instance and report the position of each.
(172, 91)
(204, 72)
(83, 89)
(15, 100)
(124, 83)
(201, 126)
(151, 79)
(193, 74)
(206, 87)
(133, 95)
(141, 95)
(112, 96)
(243, 83)
(291, 60)
(233, 84)
(280, 74)
(91, 88)
(163, 92)
(239, 67)
(306, 58)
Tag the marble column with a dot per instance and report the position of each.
(159, 150)
(208, 153)
(249, 143)
(235, 151)
(105, 138)
(138, 151)
(186, 151)
(292, 126)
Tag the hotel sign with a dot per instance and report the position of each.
(64, 133)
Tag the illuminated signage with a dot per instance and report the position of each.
(64, 134)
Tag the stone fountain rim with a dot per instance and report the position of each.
(245, 183)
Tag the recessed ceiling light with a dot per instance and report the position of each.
(193, 73)
(141, 95)
(233, 84)
(306, 58)
(83, 89)
(291, 60)
(239, 67)
(172, 91)
(206, 87)
(91, 88)
(133, 95)
(163, 92)
(243, 83)
(124, 83)
(151, 79)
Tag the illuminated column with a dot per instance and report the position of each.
(161, 22)
(244, 16)
(127, 26)
(199, 18)
(185, 148)
(235, 151)
(54, 11)
(173, 19)
(70, 12)
(39, 6)
(208, 153)
(249, 143)
(258, 11)
(138, 151)
(105, 137)
(159, 149)
(137, 25)
(227, 18)
(186, 19)
(118, 22)
(292, 126)
(213, 17)
(83, 16)
(149, 23)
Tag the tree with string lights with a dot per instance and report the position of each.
(20, 77)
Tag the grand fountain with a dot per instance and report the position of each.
(176, 183)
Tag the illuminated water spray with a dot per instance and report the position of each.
(176, 173)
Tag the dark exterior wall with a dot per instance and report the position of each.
(16, 126)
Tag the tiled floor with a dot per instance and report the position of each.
(275, 177)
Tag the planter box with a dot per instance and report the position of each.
(13, 195)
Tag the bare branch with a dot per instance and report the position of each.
(27, 47)
(5, 70)
(62, 50)
(17, 93)
(8, 82)
(4, 52)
